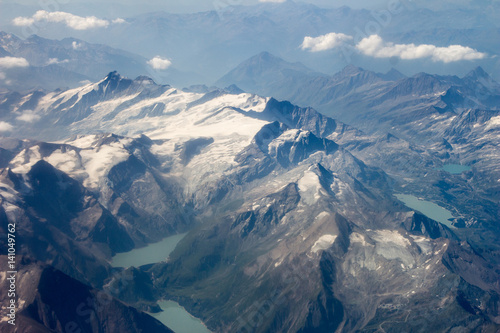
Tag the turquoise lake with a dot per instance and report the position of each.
(455, 168)
(173, 315)
(178, 319)
(429, 209)
(153, 253)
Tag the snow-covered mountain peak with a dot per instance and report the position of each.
(87, 158)
(128, 107)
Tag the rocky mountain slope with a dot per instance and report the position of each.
(50, 301)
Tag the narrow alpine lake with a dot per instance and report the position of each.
(429, 209)
(455, 169)
(173, 315)
(178, 319)
(153, 253)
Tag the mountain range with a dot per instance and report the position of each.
(70, 62)
(212, 42)
(292, 216)
(368, 100)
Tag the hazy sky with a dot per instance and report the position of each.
(80, 15)
(191, 5)
(128, 8)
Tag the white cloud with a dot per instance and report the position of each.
(5, 127)
(118, 21)
(2, 76)
(72, 21)
(76, 46)
(23, 21)
(456, 53)
(324, 42)
(375, 46)
(159, 63)
(52, 61)
(56, 61)
(11, 62)
(28, 117)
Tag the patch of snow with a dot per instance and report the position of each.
(246, 102)
(99, 161)
(23, 162)
(340, 188)
(309, 187)
(419, 239)
(423, 243)
(493, 122)
(20, 303)
(322, 215)
(12, 211)
(8, 193)
(106, 106)
(278, 263)
(358, 238)
(291, 135)
(84, 141)
(68, 162)
(55, 99)
(323, 243)
(392, 245)
(391, 236)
